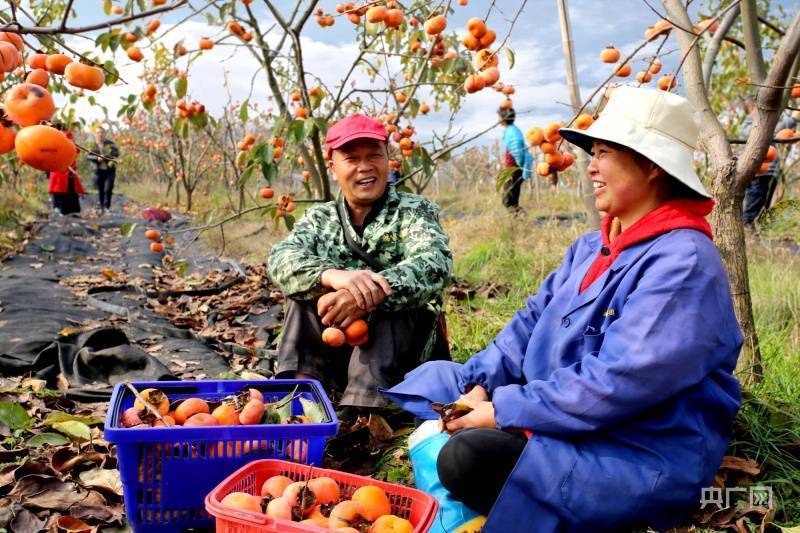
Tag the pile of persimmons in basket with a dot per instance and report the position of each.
(318, 502)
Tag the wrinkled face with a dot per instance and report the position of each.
(361, 168)
(621, 184)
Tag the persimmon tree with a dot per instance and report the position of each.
(770, 81)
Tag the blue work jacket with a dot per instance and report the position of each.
(627, 387)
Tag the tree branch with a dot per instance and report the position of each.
(769, 103)
(754, 56)
(66, 13)
(712, 134)
(716, 41)
(50, 30)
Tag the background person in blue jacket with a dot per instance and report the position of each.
(516, 155)
(620, 369)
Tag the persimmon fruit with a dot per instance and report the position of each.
(373, 500)
(44, 148)
(134, 54)
(56, 63)
(583, 121)
(435, 25)
(28, 104)
(476, 27)
(623, 71)
(279, 508)
(377, 14)
(347, 514)
(391, 524)
(326, 490)
(333, 337)
(13, 38)
(609, 54)
(667, 82)
(266, 193)
(551, 132)
(7, 137)
(275, 486)
(190, 407)
(535, 136)
(9, 56)
(547, 147)
(152, 234)
(226, 414)
(85, 76)
(38, 77)
(154, 397)
(252, 412)
(37, 61)
(242, 501)
(201, 419)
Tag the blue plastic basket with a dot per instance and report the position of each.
(167, 472)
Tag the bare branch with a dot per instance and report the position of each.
(712, 134)
(754, 56)
(50, 30)
(770, 25)
(66, 13)
(716, 41)
(769, 105)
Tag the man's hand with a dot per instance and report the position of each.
(368, 288)
(481, 416)
(339, 308)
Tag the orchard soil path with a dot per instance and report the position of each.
(44, 293)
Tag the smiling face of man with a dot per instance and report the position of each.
(361, 168)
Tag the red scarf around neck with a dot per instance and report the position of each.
(675, 214)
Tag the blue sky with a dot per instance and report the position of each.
(538, 75)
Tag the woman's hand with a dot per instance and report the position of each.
(478, 393)
(481, 416)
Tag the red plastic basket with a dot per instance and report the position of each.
(414, 505)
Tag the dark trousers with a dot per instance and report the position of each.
(67, 202)
(104, 181)
(758, 196)
(475, 464)
(511, 189)
(396, 342)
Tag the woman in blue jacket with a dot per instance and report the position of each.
(619, 371)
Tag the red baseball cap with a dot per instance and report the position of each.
(352, 127)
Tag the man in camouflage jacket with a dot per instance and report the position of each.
(327, 283)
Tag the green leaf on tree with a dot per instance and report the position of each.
(504, 176)
(289, 221)
(510, 57)
(295, 132)
(180, 87)
(243, 111)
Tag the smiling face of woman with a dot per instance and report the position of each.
(626, 186)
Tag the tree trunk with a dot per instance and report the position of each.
(730, 241)
(585, 188)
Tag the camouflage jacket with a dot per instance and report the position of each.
(405, 235)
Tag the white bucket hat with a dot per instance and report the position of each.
(659, 125)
